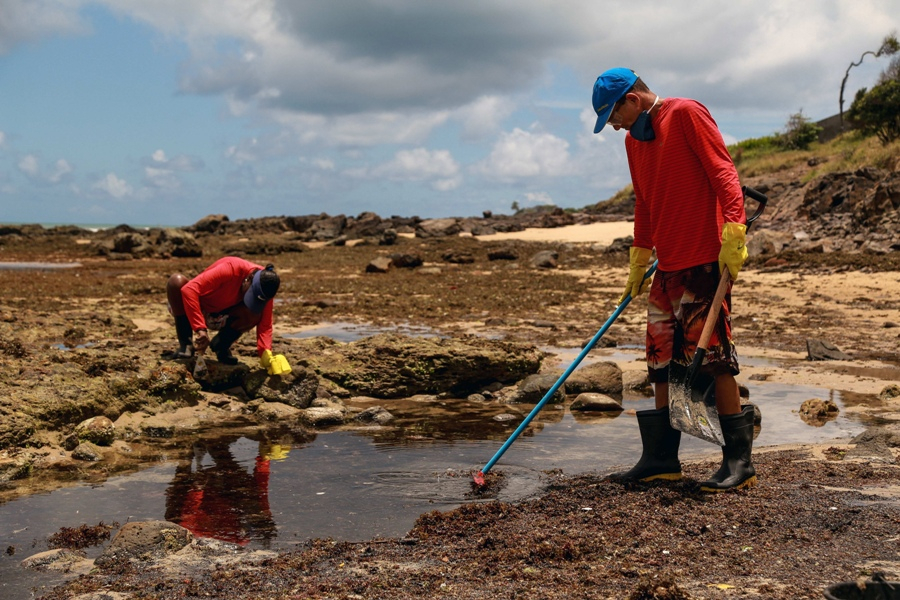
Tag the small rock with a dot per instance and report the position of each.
(406, 261)
(276, 411)
(375, 414)
(57, 559)
(98, 430)
(547, 259)
(87, 451)
(889, 392)
(821, 350)
(817, 412)
(594, 402)
(320, 416)
(381, 264)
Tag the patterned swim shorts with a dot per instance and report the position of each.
(677, 307)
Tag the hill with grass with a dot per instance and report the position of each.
(842, 195)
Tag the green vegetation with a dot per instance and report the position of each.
(878, 111)
(847, 152)
(889, 46)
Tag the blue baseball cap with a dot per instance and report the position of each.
(609, 89)
(260, 292)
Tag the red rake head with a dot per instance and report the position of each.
(478, 478)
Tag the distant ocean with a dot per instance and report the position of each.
(94, 226)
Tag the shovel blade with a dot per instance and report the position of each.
(692, 406)
(201, 371)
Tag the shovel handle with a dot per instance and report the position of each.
(713, 315)
(719, 297)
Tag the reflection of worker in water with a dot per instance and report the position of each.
(223, 500)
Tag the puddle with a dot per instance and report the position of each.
(75, 347)
(37, 266)
(350, 332)
(370, 482)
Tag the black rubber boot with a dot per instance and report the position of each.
(221, 345)
(659, 458)
(185, 338)
(737, 470)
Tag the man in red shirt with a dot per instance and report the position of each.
(231, 296)
(689, 207)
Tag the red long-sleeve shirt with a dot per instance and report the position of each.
(218, 288)
(686, 186)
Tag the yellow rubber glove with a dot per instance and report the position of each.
(639, 259)
(734, 248)
(275, 364)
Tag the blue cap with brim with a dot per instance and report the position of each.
(609, 89)
(254, 298)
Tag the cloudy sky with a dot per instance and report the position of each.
(162, 112)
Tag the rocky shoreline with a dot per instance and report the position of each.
(85, 385)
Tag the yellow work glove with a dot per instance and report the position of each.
(275, 364)
(734, 248)
(639, 259)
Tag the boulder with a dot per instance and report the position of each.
(297, 388)
(179, 243)
(430, 228)
(598, 377)
(145, 541)
(533, 388)
(210, 223)
(390, 365)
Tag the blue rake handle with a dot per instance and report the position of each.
(479, 477)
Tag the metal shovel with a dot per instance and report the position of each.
(692, 402)
(201, 371)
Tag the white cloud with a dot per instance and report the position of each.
(523, 154)
(31, 20)
(365, 129)
(115, 187)
(29, 165)
(437, 167)
(323, 164)
(484, 116)
(60, 172)
(162, 172)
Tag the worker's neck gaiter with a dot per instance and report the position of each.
(642, 128)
